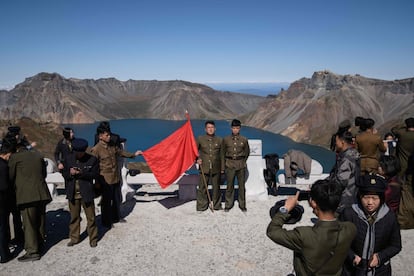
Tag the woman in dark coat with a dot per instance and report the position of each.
(378, 236)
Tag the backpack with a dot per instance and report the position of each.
(272, 167)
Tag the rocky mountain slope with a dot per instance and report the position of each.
(51, 97)
(311, 109)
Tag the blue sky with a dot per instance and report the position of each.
(205, 40)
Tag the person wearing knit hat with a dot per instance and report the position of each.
(373, 218)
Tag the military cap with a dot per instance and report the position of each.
(79, 144)
(372, 183)
(295, 214)
(14, 129)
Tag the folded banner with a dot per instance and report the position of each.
(169, 159)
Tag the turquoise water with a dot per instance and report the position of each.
(144, 133)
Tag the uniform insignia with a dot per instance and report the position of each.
(373, 182)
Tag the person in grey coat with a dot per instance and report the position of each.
(346, 170)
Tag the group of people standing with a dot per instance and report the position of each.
(23, 187)
(89, 173)
(361, 206)
(218, 156)
(24, 194)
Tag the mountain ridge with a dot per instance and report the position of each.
(51, 97)
(308, 111)
(301, 111)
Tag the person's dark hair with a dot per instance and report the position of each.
(362, 125)
(209, 123)
(104, 125)
(358, 120)
(326, 194)
(369, 123)
(344, 125)
(390, 164)
(409, 122)
(66, 132)
(389, 134)
(101, 130)
(345, 136)
(8, 145)
(235, 122)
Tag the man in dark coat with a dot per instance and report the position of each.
(27, 170)
(64, 147)
(320, 249)
(6, 202)
(405, 153)
(405, 144)
(80, 169)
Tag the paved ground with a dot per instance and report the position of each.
(165, 236)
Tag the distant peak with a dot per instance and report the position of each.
(44, 76)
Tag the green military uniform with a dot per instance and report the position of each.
(405, 148)
(236, 150)
(369, 145)
(109, 180)
(28, 171)
(209, 148)
(318, 250)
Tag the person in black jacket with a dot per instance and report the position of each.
(378, 236)
(64, 147)
(6, 194)
(80, 169)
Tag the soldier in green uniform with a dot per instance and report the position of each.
(236, 151)
(320, 249)
(211, 161)
(27, 169)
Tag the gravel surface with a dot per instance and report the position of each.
(165, 236)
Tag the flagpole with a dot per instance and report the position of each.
(210, 203)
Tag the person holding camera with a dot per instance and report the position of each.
(320, 249)
(80, 169)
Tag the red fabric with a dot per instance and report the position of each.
(169, 159)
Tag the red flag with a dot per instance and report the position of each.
(174, 155)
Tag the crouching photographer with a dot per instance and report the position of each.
(320, 249)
